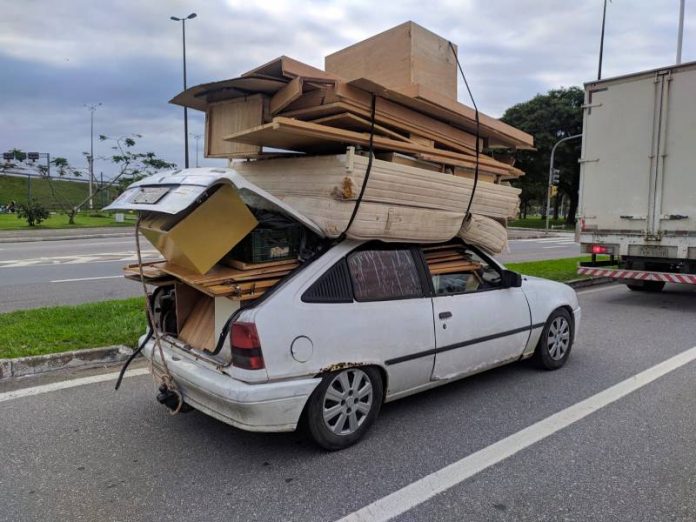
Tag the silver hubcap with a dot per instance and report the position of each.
(347, 401)
(558, 339)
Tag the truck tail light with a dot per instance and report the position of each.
(246, 347)
(602, 249)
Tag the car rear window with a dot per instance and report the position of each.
(384, 274)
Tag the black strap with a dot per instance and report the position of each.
(367, 171)
(478, 129)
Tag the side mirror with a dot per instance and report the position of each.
(511, 279)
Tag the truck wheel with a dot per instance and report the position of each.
(646, 286)
(555, 342)
(343, 407)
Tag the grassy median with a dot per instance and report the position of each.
(12, 222)
(555, 269)
(65, 328)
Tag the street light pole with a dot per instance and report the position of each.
(680, 32)
(91, 109)
(183, 39)
(551, 163)
(196, 137)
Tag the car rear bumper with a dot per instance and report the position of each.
(274, 406)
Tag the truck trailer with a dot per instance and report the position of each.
(637, 201)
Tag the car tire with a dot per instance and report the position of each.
(344, 406)
(556, 340)
(646, 286)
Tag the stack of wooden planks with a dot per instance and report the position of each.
(428, 145)
(240, 281)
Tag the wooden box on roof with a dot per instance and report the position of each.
(401, 57)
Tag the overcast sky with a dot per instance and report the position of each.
(57, 55)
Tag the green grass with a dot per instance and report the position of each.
(537, 222)
(556, 269)
(84, 219)
(64, 328)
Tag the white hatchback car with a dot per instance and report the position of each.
(367, 323)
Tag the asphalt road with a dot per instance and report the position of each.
(89, 453)
(47, 273)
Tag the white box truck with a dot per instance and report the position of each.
(637, 199)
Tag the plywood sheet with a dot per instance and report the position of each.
(223, 118)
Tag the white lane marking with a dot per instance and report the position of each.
(544, 240)
(76, 259)
(423, 489)
(62, 385)
(556, 246)
(86, 279)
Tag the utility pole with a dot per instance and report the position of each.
(551, 169)
(183, 39)
(680, 31)
(92, 109)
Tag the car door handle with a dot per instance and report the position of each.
(445, 315)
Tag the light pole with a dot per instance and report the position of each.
(183, 37)
(548, 189)
(91, 108)
(196, 137)
(680, 31)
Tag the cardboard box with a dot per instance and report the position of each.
(204, 236)
(401, 57)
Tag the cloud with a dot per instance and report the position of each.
(57, 56)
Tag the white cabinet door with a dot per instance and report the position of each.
(479, 330)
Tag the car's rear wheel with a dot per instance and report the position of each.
(343, 406)
(646, 286)
(556, 340)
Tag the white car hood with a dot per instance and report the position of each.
(175, 191)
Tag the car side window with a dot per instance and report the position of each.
(384, 274)
(456, 269)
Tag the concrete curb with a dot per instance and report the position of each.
(40, 364)
(585, 283)
(61, 238)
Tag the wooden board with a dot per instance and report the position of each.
(285, 96)
(198, 330)
(348, 121)
(291, 134)
(223, 118)
(241, 265)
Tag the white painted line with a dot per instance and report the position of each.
(423, 489)
(556, 246)
(86, 279)
(62, 385)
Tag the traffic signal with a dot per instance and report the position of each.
(553, 191)
(555, 177)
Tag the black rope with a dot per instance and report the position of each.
(478, 128)
(367, 171)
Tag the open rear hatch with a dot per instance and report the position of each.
(196, 219)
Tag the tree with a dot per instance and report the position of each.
(549, 117)
(33, 212)
(133, 165)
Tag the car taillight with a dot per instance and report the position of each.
(246, 347)
(599, 249)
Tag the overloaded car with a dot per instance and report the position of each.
(353, 325)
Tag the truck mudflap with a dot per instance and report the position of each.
(637, 275)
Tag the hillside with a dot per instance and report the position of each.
(15, 188)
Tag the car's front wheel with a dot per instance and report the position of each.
(556, 341)
(343, 406)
